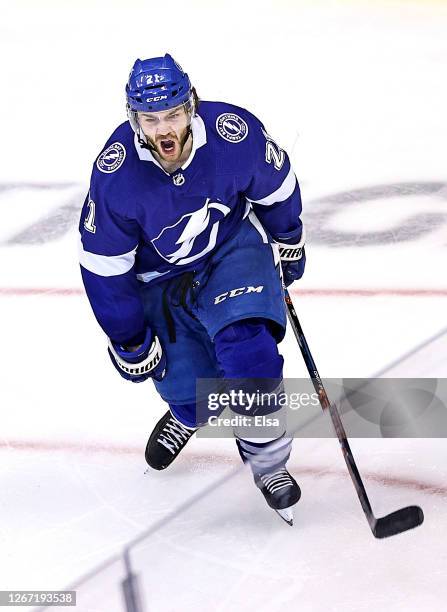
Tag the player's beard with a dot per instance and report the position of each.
(170, 146)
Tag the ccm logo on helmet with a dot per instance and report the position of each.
(156, 99)
(235, 292)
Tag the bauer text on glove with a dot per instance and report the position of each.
(293, 256)
(147, 361)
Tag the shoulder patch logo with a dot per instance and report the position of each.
(231, 127)
(112, 158)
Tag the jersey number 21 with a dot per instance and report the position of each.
(89, 222)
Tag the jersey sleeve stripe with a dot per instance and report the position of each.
(105, 265)
(282, 193)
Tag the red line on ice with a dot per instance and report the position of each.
(47, 291)
(402, 292)
(116, 449)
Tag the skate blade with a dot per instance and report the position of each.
(286, 514)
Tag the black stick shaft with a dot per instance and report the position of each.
(331, 408)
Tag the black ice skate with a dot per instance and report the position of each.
(281, 492)
(166, 441)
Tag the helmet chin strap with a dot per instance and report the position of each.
(144, 144)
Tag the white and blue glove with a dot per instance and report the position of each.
(292, 254)
(146, 361)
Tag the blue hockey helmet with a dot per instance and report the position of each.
(157, 84)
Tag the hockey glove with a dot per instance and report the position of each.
(292, 254)
(147, 361)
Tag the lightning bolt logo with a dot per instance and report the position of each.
(112, 158)
(231, 127)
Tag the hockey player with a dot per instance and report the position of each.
(191, 204)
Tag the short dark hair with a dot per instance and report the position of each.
(196, 98)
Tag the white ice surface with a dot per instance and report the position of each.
(356, 93)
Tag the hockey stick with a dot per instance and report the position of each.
(391, 524)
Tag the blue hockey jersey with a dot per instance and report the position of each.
(140, 224)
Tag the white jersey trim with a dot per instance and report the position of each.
(281, 194)
(147, 277)
(198, 138)
(257, 224)
(105, 265)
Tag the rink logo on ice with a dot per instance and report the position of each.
(112, 158)
(237, 292)
(231, 127)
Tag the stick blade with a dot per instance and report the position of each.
(399, 521)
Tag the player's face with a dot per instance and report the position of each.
(166, 131)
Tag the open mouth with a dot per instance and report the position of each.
(167, 146)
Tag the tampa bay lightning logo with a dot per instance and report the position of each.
(231, 127)
(178, 179)
(112, 158)
(193, 235)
